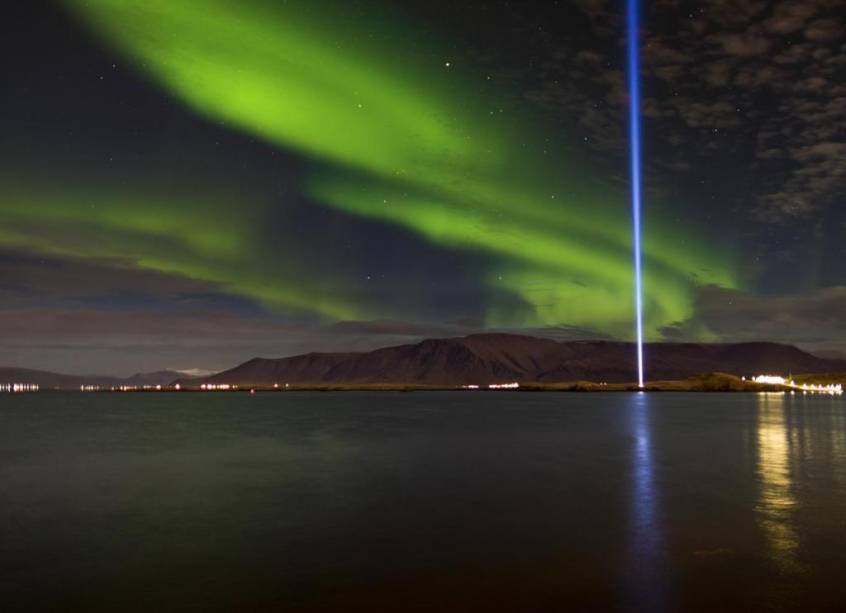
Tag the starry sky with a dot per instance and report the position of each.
(186, 184)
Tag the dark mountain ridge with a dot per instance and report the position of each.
(496, 358)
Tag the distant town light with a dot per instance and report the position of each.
(217, 386)
(493, 386)
(770, 379)
(18, 387)
(831, 388)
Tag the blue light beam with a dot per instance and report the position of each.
(633, 14)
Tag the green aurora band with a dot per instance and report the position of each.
(391, 134)
(209, 239)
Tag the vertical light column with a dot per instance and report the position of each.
(632, 19)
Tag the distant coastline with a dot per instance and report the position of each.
(504, 362)
(712, 383)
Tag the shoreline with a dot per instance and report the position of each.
(710, 383)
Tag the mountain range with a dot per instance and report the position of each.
(479, 359)
(495, 358)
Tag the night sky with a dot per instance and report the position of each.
(186, 184)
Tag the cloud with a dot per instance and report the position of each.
(744, 108)
(79, 316)
(814, 321)
(823, 30)
(789, 17)
(126, 341)
(781, 92)
(29, 279)
(749, 44)
(719, 77)
(97, 340)
(733, 13)
(393, 328)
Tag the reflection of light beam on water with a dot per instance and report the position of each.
(647, 541)
(634, 154)
(644, 488)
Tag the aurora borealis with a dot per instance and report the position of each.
(371, 168)
(380, 150)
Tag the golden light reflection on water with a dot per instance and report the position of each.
(838, 444)
(776, 501)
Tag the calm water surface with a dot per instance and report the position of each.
(422, 502)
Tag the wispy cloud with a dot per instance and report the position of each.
(813, 321)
